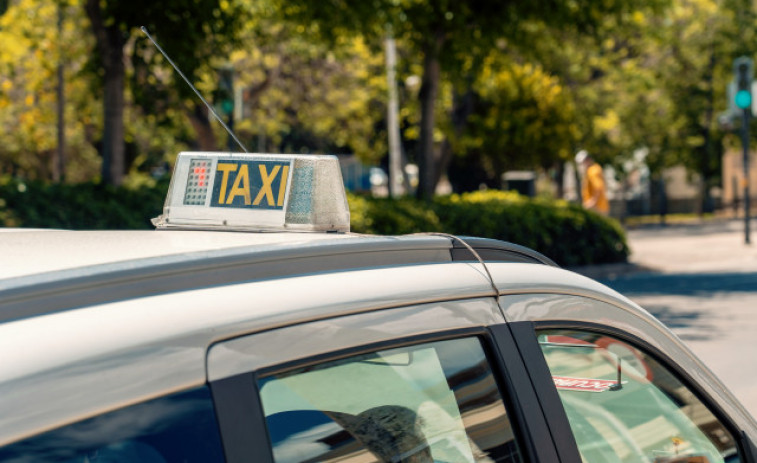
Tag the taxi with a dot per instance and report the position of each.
(252, 326)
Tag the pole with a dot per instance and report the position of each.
(395, 163)
(745, 144)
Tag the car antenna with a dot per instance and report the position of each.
(144, 29)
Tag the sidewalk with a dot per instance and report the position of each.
(713, 246)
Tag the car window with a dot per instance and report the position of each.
(624, 406)
(434, 402)
(178, 428)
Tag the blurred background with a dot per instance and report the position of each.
(481, 90)
(446, 115)
(418, 98)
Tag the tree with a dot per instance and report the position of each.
(523, 118)
(702, 38)
(32, 48)
(445, 35)
(656, 83)
(192, 31)
(300, 95)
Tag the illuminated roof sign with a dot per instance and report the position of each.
(256, 192)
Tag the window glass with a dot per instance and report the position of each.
(434, 402)
(623, 406)
(180, 428)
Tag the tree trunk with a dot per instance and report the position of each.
(462, 108)
(428, 93)
(708, 150)
(559, 179)
(206, 139)
(110, 44)
(113, 169)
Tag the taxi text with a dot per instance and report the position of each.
(250, 184)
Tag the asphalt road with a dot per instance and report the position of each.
(701, 281)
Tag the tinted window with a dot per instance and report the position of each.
(179, 428)
(434, 402)
(623, 406)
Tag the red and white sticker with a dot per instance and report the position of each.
(583, 384)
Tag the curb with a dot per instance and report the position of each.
(611, 271)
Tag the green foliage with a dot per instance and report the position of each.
(565, 232)
(33, 46)
(304, 96)
(524, 118)
(517, 88)
(452, 40)
(385, 216)
(651, 81)
(85, 206)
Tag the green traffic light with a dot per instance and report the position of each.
(227, 106)
(743, 99)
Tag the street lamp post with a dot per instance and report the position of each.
(744, 71)
(745, 144)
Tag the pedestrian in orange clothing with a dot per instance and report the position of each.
(593, 190)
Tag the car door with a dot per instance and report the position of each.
(626, 398)
(438, 382)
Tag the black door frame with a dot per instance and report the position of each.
(245, 436)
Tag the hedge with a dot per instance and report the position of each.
(564, 232)
(84, 206)
(560, 230)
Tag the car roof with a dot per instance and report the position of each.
(92, 272)
(156, 301)
(30, 252)
(50, 271)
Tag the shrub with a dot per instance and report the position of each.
(385, 216)
(85, 206)
(564, 232)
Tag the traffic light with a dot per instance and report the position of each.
(744, 70)
(224, 95)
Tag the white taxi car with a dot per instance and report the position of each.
(253, 327)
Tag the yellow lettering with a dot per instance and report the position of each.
(283, 185)
(265, 190)
(225, 168)
(241, 186)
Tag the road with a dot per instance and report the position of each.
(701, 281)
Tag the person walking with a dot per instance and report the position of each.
(593, 189)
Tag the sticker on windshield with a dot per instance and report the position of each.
(566, 383)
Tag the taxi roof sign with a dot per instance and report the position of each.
(256, 192)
